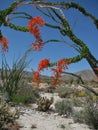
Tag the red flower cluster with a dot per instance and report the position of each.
(37, 46)
(34, 29)
(42, 64)
(34, 21)
(45, 63)
(61, 66)
(4, 43)
(36, 77)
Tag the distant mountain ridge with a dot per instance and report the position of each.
(87, 75)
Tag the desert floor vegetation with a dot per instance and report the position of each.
(32, 100)
(67, 106)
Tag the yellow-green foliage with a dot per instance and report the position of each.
(44, 103)
(77, 102)
(95, 97)
(64, 92)
(82, 94)
(26, 95)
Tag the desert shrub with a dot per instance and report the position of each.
(26, 94)
(64, 92)
(76, 81)
(44, 103)
(50, 89)
(21, 99)
(64, 107)
(7, 117)
(75, 93)
(82, 94)
(77, 102)
(62, 126)
(90, 113)
(79, 116)
(95, 97)
(11, 76)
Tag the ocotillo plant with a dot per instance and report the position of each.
(54, 11)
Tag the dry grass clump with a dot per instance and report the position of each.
(89, 114)
(64, 91)
(64, 107)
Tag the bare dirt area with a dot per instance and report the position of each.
(30, 119)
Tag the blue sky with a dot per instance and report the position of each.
(82, 26)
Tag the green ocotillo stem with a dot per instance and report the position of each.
(5, 12)
(0, 34)
(87, 54)
(18, 28)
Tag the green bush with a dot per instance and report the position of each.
(79, 116)
(26, 95)
(64, 92)
(64, 107)
(77, 101)
(62, 126)
(20, 99)
(90, 113)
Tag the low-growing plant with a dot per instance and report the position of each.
(44, 103)
(95, 97)
(62, 126)
(79, 116)
(64, 92)
(82, 94)
(90, 113)
(77, 102)
(26, 95)
(64, 107)
(21, 99)
(7, 117)
(50, 89)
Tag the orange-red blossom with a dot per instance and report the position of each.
(34, 29)
(42, 64)
(57, 72)
(37, 46)
(36, 77)
(4, 43)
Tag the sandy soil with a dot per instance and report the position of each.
(33, 119)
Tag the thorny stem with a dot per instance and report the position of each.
(65, 30)
(83, 83)
(85, 53)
